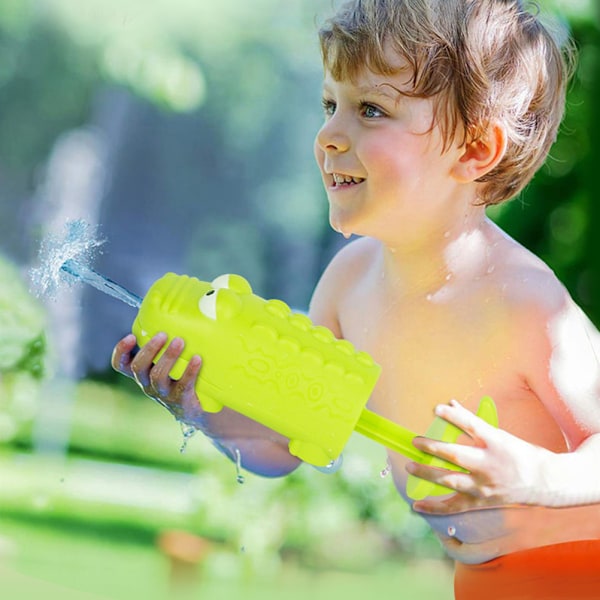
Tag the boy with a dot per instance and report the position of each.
(435, 109)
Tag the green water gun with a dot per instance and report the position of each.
(274, 366)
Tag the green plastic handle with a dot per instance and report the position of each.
(398, 438)
(390, 434)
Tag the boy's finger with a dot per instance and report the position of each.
(468, 457)
(122, 355)
(464, 419)
(142, 362)
(159, 374)
(187, 382)
(184, 390)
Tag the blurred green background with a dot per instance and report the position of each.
(184, 129)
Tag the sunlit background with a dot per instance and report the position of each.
(183, 130)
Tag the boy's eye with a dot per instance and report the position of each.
(370, 111)
(328, 107)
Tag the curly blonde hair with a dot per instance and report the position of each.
(483, 61)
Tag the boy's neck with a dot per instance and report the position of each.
(441, 259)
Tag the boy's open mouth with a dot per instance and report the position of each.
(340, 179)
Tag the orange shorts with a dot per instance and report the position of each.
(569, 571)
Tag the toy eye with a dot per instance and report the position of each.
(220, 304)
(237, 283)
(208, 305)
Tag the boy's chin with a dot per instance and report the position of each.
(342, 230)
(342, 224)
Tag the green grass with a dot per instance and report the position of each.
(84, 525)
(41, 560)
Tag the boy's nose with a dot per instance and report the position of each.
(331, 138)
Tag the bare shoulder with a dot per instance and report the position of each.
(538, 303)
(530, 287)
(347, 268)
(524, 298)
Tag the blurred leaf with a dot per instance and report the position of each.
(22, 322)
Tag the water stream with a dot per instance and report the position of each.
(86, 274)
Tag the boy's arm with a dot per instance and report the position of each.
(564, 372)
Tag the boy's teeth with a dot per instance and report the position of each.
(338, 178)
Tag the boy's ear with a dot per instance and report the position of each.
(480, 156)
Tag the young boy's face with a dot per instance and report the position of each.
(380, 158)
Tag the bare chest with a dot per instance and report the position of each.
(432, 353)
(428, 354)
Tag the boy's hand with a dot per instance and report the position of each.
(177, 396)
(249, 443)
(502, 469)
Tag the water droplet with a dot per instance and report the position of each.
(238, 466)
(429, 297)
(491, 269)
(332, 467)
(451, 530)
(386, 470)
(188, 431)
(449, 277)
